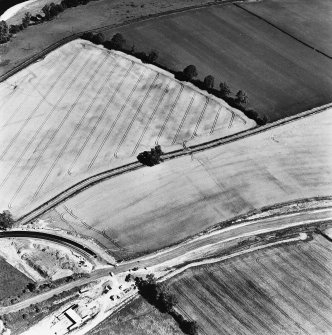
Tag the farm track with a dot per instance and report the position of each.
(90, 181)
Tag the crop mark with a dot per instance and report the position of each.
(231, 120)
(136, 114)
(75, 129)
(207, 100)
(116, 119)
(88, 227)
(215, 121)
(37, 107)
(40, 127)
(151, 117)
(101, 115)
(169, 114)
(184, 118)
(53, 135)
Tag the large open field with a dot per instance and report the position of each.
(284, 290)
(84, 109)
(153, 207)
(281, 75)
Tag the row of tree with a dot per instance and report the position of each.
(49, 11)
(189, 74)
(161, 297)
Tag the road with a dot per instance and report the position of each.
(95, 179)
(196, 248)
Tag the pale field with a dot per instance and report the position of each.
(154, 207)
(84, 109)
(284, 290)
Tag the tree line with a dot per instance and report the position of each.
(49, 12)
(240, 100)
(164, 300)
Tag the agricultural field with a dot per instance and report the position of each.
(281, 76)
(84, 109)
(283, 290)
(138, 318)
(8, 287)
(152, 208)
(309, 22)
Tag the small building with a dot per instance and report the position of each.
(73, 317)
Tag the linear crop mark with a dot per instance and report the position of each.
(184, 118)
(101, 115)
(64, 147)
(231, 121)
(215, 121)
(39, 129)
(116, 119)
(37, 107)
(200, 118)
(170, 113)
(51, 138)
(151, 117)
(136, 114)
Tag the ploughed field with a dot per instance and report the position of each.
(152, 208)
(281, 76)
(284, 290)
(84, 109)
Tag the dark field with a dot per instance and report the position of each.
(285, 290)
(310, 21)
(12, 281)
(138, 318)
(281, 76)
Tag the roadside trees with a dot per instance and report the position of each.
(224, 89)
(4, 32)
(241, 97)
(190, 72)
(6, 220)
(209, 82)
(26, 20)
(46, 11)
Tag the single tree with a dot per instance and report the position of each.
(46, 11)
(209, 82)
(6, 220)
(118, 41)
(224, 89)
(54, 11)
(241, 97)
(26, 19)
(4, 32)
(190, 72)
(99, 38)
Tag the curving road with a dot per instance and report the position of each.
(196, 248)
(95, 179)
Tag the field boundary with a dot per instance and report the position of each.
(95, 179)
(282, 30)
